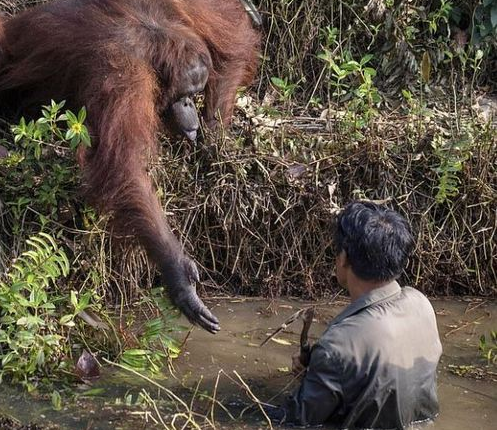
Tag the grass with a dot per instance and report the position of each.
(260, 216)
(254, 207)
(203, 410)
(346, 107)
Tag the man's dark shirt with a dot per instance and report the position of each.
(375, 365)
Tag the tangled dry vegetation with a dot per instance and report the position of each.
(259, 214)
(255, 205)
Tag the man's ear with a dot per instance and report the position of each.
(342, 260)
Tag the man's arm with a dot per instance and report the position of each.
(319, 394)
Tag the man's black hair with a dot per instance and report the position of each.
(376, 240)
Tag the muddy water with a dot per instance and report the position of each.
(466, 402)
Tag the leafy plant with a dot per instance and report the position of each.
(417, 107)
(284, 87)
(439, 15)
(38, 174)
(488, 347)
(155, 341)
(485, 22)
(39, 326)
(31, 333)
(353, 80)
(46, 129)
(451, 154)
(40, 332)
(350, 80)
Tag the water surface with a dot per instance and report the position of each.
(468, 402)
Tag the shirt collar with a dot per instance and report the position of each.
(368, 299)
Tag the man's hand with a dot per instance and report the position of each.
(297, 367)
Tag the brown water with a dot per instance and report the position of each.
(466, 402)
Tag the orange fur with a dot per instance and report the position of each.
(125, 61)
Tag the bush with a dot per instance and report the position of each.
(363, 99)
(52, 301)
(398, 34)
(32, 334)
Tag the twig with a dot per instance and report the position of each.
(292, 318)
(463, 326)
(254, 399)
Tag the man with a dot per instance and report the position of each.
(375, 365)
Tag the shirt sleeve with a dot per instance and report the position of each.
(320, 393)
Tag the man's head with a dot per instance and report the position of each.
(373, 242)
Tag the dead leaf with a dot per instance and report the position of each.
(92, 319)
(426, 67)
(87, 367)
(281, 341)
(296, 171)
(3, 152)
(286, 306)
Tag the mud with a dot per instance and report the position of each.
(209, 363)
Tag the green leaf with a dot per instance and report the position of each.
(70, 133)
(67, 320)
(7, 358)
(82, 115)
(22, 321)
(280, 83)
(370, 71)
(56, 400)
(136, 352)
(325, 56)
(75, 141)
(85, 137)
(336, 69)
(366, 59)
(37, 151)
(74, 299)
(93, 392)
(48, 237)
(493, 16)
(40, 358)
(350, 66)
(71, 118)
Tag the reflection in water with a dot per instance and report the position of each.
(466, 403)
